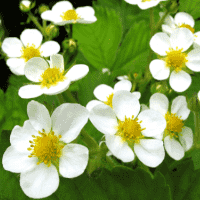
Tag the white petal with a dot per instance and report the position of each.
(153, 122)
(160, 43)
(47, 15)
(181, 38)
(184, 18)
(173, 148)
(147, 4)
(12, 47)
(123, 85)
(159, 136)
(179, 106)
(20, 137)
(68, 119)
(62, 6)
(133, 2)
(17, 162)
(77, 72)
(122, 77)
(30, 91)
(103, 91)
(199, 95)
(41, 182)
(159, 70)
(197, 39)
(85, 11)
(49, 48)
(167, 29)
(186, 138)
(16, 65)
(57, 89)
(150, 152)
(34, 68)
(180, 81)
(92, 103)
(39, 116)
(125, 104)
(104, 119)
(31, 36)
(169, 21)
(143, 107)
(193, 58)
(159, 102)
(57, 61)
(88, 20)
(73, 161)
(137, 94)
(119, 148)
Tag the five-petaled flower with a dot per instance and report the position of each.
(20, 51)
(63, 13)
(52, 79)
(41, 149)
(174, 58)
(105, 93)
(177, 137)
(127, 132)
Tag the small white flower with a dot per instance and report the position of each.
(127, 131)
(104, 93)
(20, 51)
(199, 95)
(63, 13)
(177, 137)
(144, 4)
(51, 79)
(104, 70)
(41, 148)
(174, 58)
(181, 20)
(120, 78)
(26, 3)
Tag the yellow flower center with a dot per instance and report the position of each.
(29, 52)
(145, 0)
(186, 26)
(130, 130)
(51, 77)
(46, 147)
(174, 125)
(109, 100)
(70, 15)
(175, 59)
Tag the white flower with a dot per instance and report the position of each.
(104, 70)
(26, 3)
(20, 51)
(104, 93)
(199, 95)
(40, 149)
(177, 137)
(63, 13)
(174, 58)
(181, 20)
(144, 4)
(127, 131)
(49, 80)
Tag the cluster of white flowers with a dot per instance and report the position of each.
(41, 150)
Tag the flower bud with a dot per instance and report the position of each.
(160, 87)
(70, 45)
(43, 8)
(52, 31)
(25, 6)
(194, 103)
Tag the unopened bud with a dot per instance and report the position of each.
(43, 8)
(69, 44)
(25, 6)
(160, 87)
(52, 31)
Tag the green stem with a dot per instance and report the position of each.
(152, 23)
(68, 29)
(88, 140)
(197, 130)
(60, 98)
(35, 21)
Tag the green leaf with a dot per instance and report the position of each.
(135, 43)
(192, 7)
(99, 41)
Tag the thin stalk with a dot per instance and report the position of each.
(197, 130)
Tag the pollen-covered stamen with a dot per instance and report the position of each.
(51, 77)
(109, 100)
(145, 0)
(186, 26)
(46, 147)
(175, 59)
(70, 15)
(29, 52)
(130, 130)
(174, 125)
